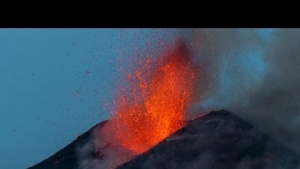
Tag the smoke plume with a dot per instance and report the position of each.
(255, 74)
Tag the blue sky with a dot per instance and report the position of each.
(55, 84)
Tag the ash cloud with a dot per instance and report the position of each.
(255, 73)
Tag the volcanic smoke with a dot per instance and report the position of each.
(153, 105)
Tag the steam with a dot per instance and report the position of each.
(254, 73)
(101, 152)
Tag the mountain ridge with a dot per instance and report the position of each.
(217, 140)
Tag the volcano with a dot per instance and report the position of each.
(217, 140)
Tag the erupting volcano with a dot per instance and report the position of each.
(148, 127)
(154, 102)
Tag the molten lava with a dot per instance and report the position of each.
(153, 104)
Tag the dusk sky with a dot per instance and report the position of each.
(58, 83)
(55, 84)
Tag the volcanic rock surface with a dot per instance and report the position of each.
(218, 140)
(67, 158)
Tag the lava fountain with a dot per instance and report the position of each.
(152, 105)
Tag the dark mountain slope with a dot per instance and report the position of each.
(218, 140)
(66, 158)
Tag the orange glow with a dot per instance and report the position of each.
(153, 105)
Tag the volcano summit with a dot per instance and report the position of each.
(218, 140)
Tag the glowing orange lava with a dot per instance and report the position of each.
(153, 106)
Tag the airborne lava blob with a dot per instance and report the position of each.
(153, 104)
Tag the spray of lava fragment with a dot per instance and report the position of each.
(153, 106)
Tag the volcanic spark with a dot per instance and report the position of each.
(153, 105)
